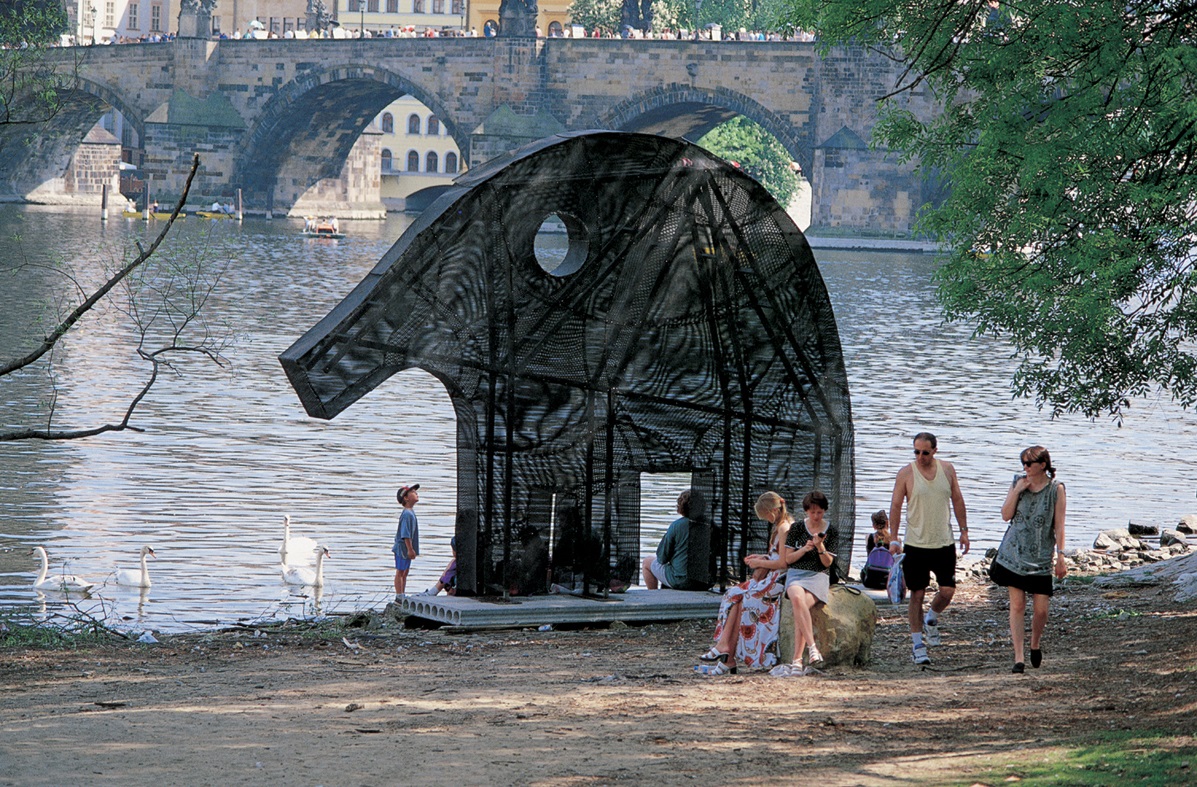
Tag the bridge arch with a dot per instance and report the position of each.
(305, 132)
(689, 112)
(35, 157)
(117, 101)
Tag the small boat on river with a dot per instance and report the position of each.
(159, 215)
(322, 228)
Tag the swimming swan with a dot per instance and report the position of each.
(64, 583)
(137, 579)
(300, 551)
(307, 575)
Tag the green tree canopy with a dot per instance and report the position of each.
(1068, 146)
(758, 153)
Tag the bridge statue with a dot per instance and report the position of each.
(195, 18)
(636, 15)
(517, 18)
(318, 16)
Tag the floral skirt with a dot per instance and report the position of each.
(757, 644)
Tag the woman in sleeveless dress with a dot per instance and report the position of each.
(1034, 507)
(746, 631)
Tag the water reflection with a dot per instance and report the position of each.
(225, 456)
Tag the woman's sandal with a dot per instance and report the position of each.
(721, 667)
(713, 655)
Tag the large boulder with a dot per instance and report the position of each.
(1170, 537)
(1188, 524)
(844, 627)
(1137, 529)
(1117, 539)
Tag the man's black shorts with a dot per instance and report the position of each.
(920, 563)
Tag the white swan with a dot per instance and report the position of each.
(64, 583)
(307, 575)
(300, 551)
(137, 579)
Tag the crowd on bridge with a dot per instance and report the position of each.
(710, 33)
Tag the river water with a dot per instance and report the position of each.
(226, 454)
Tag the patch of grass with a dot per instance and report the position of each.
(1152, 759)
(70, 629)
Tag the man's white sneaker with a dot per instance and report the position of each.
(920, 655)
(931, 632)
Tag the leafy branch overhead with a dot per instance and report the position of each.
(163, 302)
(1068, 144)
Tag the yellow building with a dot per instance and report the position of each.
(417, 155)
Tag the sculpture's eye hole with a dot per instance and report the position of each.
(561, 244)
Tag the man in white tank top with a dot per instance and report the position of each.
(927, 486)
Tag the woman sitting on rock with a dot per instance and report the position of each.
(746, 632)
(807, 580)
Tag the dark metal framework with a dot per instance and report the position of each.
(686, 328)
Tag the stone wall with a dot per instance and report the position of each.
(95, 164)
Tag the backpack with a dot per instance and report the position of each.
(877, 568)
(895, 588)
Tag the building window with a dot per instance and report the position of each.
(417, 6)
(155, 19)
(413, 161)
(134, 22)
(456, 6)
(413, 124)
(438, 6)
(392, 6)
(372, 6)
(355, 6)
(386, 160)
(430, 162)
(434, 126)
(388, 124)
(110, 14)
(450, 162)
(216, 24)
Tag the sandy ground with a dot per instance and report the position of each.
(623, 705)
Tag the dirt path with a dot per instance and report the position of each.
(587, 707)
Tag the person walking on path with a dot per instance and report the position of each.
(927, 486)
(407, 537)
(1034, 507)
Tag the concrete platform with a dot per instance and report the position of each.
(634, 605)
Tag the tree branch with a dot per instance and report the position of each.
(98, 295)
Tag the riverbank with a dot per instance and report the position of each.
(383, 704)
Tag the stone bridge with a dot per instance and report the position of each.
(280, 118)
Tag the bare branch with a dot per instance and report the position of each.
(107, 287)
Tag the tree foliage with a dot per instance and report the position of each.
(758, 153)
(1069, 148)
(30, 85)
